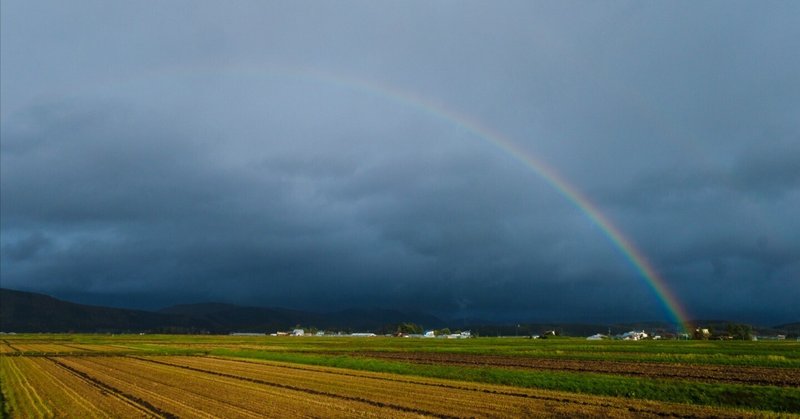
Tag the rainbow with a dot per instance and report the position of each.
(654, 280)
(614, 234)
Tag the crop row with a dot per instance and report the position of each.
(426, 396)
(215, 387)
(783, 354)
(712, 373)
(39, 388)
(189, 394)
(5, 348)
(179, 386)
(756, 354)
(59, 348)
(760, 397)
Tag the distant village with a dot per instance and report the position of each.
(302, 332)
(410, 330)
(732, 332)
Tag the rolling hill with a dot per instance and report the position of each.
(30, 312)
(22, 311)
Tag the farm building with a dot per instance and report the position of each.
(461, 335)
(633, 335)
(702, 333)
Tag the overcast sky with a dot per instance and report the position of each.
(249, 152)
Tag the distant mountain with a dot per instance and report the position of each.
(794, 327)
(198, 309)
(788, 329)
(30, 312)
(229, 317)
(233, 317)
(375, 318)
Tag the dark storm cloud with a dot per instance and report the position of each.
(768, 170)
(26, 247)
(173, 153)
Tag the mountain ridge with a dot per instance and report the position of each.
(22, 311)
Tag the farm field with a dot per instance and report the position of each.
(234, 376)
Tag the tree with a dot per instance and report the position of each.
(702, 333)
(409, 329)
(740, 331)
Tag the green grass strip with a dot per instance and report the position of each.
(773, 398)
(774, 354)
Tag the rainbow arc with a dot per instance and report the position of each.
(573, 194)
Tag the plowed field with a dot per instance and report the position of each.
(61, 349)
(37, 387)
(122, 376)
(709, 373)
(218, 387)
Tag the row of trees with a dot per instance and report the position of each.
(740, 331)
(735, 331)
(409, 328)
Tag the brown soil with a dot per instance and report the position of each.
(230, 388)
(712, 373)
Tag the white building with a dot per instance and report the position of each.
(462, 335)
(633, 335)
(298, 332)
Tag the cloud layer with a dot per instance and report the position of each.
(253, 154)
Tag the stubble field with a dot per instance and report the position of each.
(230, 376)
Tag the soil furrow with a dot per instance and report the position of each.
(638, 409)
(14, 348)
(727, 374)
(306, 390)
(144, 405)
